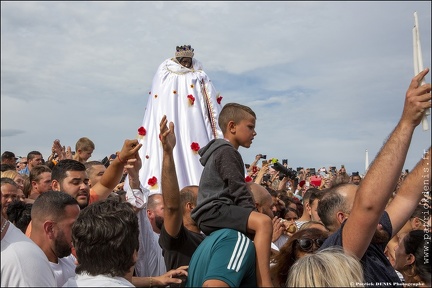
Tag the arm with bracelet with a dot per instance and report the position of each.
(114, 172)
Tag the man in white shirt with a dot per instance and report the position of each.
(22, 262)
(105, 237)
(53, 214)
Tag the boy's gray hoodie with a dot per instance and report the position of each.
(222, 180)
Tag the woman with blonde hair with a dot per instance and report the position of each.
(301, 243)
(330, 267)
(18, 179)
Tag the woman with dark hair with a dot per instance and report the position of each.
(301, 243)
(291, 216)
(19, 214)
(288, 219)
(411, 260)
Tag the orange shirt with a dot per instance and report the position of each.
(93, 196)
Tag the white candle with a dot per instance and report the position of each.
(418, 63)
(415, 58)
(419, 52)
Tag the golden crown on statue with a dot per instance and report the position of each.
(184, 51)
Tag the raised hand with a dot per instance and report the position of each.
(167, 135)
(417, 100)
(129, 150)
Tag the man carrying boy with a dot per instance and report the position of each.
(224, 200)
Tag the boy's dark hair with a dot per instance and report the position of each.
(59, 171)
(105, 237)
(233, 112)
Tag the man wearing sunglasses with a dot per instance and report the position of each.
(21, 164)
(363, 224)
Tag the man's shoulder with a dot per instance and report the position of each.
(334, 239)
(183, 235)
(67, 261)
(19, 241)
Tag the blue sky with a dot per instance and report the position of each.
(327, 80)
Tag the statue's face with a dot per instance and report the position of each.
(186, 62)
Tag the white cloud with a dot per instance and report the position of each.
(326, 79)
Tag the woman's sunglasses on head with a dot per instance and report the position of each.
(306, 244)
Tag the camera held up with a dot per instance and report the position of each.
(284, 171)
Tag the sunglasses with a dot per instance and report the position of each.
(306, 244)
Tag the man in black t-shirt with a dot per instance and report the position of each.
(180, 242)
(180, 235)
(338, 201)
(361, 218)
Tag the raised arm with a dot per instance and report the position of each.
(173, 212)
(60, 150)
(379, 183)
(114, 172)
(254, 163)
(410, 193)
(135, 193)
(132, 167)
(264, 169)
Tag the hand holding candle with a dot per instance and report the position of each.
(418, 63)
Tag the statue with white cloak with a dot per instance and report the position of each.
(183, 92)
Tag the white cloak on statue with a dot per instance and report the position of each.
(188, 98)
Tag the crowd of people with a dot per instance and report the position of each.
(69, 221)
